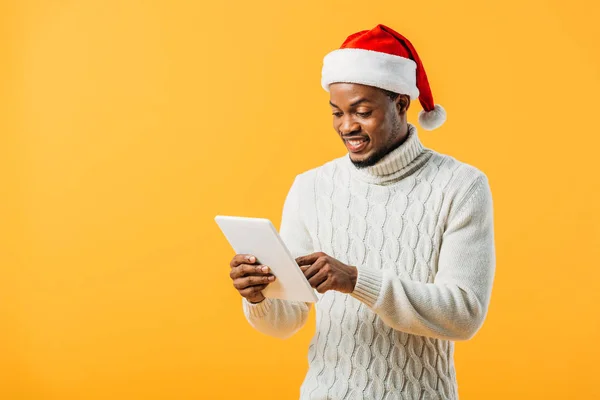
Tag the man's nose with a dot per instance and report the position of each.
(348, 125)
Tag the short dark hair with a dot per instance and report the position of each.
(390, 94)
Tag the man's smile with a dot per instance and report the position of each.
(356, 144)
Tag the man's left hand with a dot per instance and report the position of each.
(326, 273)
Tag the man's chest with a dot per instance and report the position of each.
(398, 226)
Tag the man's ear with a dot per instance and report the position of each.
(402, 103)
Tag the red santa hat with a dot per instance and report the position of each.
(385, 59)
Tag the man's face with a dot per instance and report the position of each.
(369, 122)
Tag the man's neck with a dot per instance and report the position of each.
(396, 162)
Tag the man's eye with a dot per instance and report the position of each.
(364, 114)
(337, 114)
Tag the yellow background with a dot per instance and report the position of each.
(127, 125)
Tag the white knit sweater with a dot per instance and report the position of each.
(418, 225)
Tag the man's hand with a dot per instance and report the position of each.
(326, 273)
(248, 278)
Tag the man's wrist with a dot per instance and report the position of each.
(256, 302)
(257, 310)
(353, 277)
(368, 285)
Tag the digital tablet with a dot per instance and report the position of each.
(258, 236)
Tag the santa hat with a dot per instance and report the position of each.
(385, 59)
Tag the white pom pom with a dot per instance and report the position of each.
(429, 120)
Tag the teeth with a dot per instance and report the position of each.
(355, 142)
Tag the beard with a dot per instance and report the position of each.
(391, 144)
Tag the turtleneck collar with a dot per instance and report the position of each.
(395, 164)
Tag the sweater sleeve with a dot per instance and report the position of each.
(283, 318)
(454, 305)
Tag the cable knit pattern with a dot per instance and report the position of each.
(419, 227)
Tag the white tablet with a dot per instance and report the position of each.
(258, 236)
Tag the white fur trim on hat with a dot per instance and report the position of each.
(429, 120)
(373, 68)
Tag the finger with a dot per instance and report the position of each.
(243, 283)
(324, 286)
(242, 259)
(242, 270)
(252, 290)
(313, 269)
(305, 267)
(318, 278)
(309, 259)
(246, 269)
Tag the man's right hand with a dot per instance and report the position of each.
(249, 277)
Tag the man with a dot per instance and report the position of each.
(397, 239)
